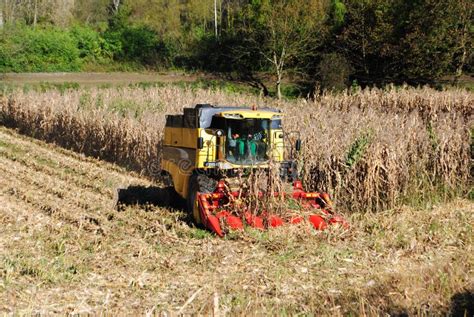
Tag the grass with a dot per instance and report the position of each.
(289, 91)
(197, 84)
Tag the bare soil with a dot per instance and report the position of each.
(94, 79)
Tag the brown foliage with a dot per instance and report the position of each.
(370, 149)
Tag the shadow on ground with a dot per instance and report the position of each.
(146, 196)
(462, 304)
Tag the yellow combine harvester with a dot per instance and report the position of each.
(207, 147)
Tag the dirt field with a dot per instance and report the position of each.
(95, 79)
(65, 249)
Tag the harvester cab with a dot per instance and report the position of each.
(207, 148)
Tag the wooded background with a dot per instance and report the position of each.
(315, 43)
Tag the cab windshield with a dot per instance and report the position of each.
(247, 140)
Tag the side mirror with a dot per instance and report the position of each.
(200, 143)
(298, 145)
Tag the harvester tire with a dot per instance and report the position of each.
(198, 183)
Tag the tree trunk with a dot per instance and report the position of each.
(8, 11)
(278, 85)
(264, 90)
(220, 16)
(279, 64)
(460, 66)
(3, 11)
(35, 14)
(463, 42)
(255, 82)
(116, 5)
(215, 17)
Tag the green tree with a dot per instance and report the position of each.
(283, 33)
(365, 38)
(404, 41)
(463, 33)
(163, 16)
(426, 43)
(91, 12)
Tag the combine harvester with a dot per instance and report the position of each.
(213, 156)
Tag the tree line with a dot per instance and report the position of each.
(325, 43)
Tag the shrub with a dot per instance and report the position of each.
(91, 45)
(49, 49)
(139, 43)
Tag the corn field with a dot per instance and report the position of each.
(371, 149)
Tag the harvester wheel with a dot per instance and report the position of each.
(198, 183)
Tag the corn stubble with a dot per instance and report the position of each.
(371, 149)
(66, 250)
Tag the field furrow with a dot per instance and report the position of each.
(62, 189)
(83, 170)
(63, 249)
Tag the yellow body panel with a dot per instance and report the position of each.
(278, 146)
(208, 152)
(181, 155)
(180, 179)
(187, 158)
(181, 137)
(250, 114)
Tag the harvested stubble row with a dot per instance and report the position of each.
(64, 250)
(370, 149)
